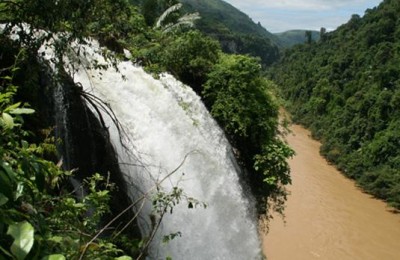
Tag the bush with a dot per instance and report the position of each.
(240, 100)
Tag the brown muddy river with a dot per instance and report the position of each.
(327, 216)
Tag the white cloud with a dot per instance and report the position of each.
(282, 15)
(310, 5)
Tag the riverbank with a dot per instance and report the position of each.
(327, 216)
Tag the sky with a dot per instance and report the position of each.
(282, 15)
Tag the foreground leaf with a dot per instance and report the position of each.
(23, 234)
(54, 257)
(124, 258)
(20, 111)
(3, 199)
(8, 120)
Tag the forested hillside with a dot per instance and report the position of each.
(346, 89)
(236, 31)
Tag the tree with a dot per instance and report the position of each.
(322, 33)
(164, 22)
(66, 21)
(345, 89)
(241, 101)
(308, 35)
(190, 57)
(150, 11)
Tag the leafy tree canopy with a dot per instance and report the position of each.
(346, 88)
(241, 100)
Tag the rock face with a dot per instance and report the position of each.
(84, 142)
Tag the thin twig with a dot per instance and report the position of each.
(141, 198)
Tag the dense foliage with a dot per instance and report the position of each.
(242, 102)
(239, 98)
(190, 57)
(235, 31)
(109, 21)
(153, 9)
(293, 37)
(40, 217)
(346, 88)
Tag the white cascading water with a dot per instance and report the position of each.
(166, 122)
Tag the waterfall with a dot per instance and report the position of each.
(165, 124)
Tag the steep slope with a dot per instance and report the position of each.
(218, 13)
(346, 88)
(235, 30)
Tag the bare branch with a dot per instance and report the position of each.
(140, 199)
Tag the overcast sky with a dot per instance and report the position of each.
(283, 15)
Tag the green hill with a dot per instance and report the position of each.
(219, 15)
(235, 30)
(346, 89)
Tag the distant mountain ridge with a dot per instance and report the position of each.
(225, 15)
(235, 30)
(346, 89)
(293, 37)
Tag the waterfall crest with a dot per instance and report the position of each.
(165, 122)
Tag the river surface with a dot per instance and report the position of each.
(327, 216)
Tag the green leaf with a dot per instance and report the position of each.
(6, 78)
(3, 199)
(271, 180)
(20, 111)
(12, 107)
(6, 185)
(23, 234)
(25, 144)
(56, 239)
(79, 205)
(124, 258)
(19, 192)
(54, 257)
(8, 120)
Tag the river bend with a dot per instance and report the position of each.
(327, 216)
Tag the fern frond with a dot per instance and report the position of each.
(187, 19)
(166, 13)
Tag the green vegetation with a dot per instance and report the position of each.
(238, 97)
(235, 31)
(241, 101)
(108, 21)
(190, 57)
(39, 217)
(293, 37)
(346, 89)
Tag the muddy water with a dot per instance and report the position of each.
(327, 217)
